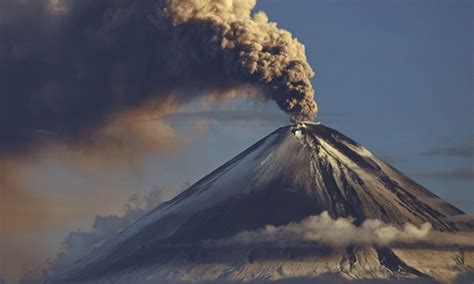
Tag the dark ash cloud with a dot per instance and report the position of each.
(227, 116)
(70, 67)
(237, 116)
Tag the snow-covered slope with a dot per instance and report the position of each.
(295, 172)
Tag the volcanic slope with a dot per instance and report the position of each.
(295, 172)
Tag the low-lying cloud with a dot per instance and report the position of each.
(320, 229)
(342, 232)
(326, 230)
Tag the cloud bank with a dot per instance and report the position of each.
(323, 229)
(341, 232)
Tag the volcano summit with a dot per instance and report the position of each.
(289, 189)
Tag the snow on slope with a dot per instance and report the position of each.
(295, 172)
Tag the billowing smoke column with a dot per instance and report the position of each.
(68, 67)
(250, 49)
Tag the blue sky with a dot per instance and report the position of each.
(400, 75)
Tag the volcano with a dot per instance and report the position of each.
(297, 171)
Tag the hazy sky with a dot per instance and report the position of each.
(394, 75)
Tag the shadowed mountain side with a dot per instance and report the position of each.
(295, 172)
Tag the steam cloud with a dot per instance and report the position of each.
(79, 243)
(342, 232)
(70, 67)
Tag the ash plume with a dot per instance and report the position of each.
(68, 68)
(86, 74)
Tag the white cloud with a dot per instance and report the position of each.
(342, 232)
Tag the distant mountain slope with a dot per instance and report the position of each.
(295, 172)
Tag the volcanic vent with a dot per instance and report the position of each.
(295, 172)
